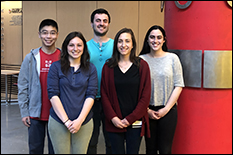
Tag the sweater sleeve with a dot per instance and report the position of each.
(106, 92)
(23, 87)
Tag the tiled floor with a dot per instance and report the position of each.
(14, 133)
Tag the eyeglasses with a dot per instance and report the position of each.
(45, 33)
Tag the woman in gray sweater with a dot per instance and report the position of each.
(166, 86)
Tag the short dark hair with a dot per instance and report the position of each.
(48, 22)
(100, 11)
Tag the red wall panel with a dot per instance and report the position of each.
(204, 115)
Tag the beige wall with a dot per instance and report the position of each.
(11, 33)
(33, 13)
(75, 16)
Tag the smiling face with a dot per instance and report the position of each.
(48, 36)
(156, 40)
(125, 44)
(75, 48)
(100, 24)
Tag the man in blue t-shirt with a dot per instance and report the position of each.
(100, 48)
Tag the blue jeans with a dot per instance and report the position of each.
(162, 132)
(36, 137)
(131, 138)
(98, 117)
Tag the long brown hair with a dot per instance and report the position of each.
(146, 47)
(113, 61)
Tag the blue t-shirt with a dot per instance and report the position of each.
(99, 55)
(72, 89)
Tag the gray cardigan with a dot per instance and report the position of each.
(29, 88)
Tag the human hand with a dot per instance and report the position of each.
(26, 121)
(118, 123)
(124, 121)
(153, 114)
(161, 112)
(74, 126)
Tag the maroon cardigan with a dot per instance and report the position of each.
(111, 105)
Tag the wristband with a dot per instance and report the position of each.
(66, 121)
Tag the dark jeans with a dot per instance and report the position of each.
(131, 138)
(162, 132)
(98, 117)
(36, 137)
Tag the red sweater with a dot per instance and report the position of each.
(111, 105)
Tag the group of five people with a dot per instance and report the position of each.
(68, 92)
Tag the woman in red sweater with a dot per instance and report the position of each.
(126, 91)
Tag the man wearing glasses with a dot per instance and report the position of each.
(33, 98)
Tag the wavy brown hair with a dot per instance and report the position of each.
(64, 57)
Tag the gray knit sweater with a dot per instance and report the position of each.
(166, 74)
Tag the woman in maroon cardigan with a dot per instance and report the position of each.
(125, 92)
